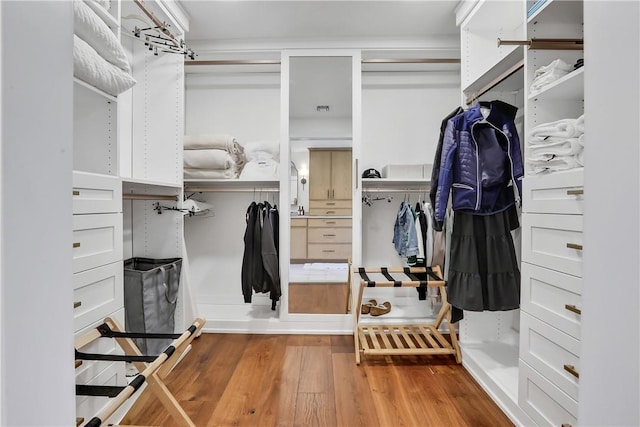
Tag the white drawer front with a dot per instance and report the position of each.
(558, 192)
(549, 351)
(553, 241)
(99, 292)
(546, 404)
(97, 240)
(551, 296)
(94, 193)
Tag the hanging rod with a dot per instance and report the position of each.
(364, 61)
(546, 44)
(495, 82)
(413, 61)
(231, 190)
(136, 196)
(161, 25)
(396, 190)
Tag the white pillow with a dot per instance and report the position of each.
(91, 68)
(93, 30)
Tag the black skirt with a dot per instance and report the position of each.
(483, 271)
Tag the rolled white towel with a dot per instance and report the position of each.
(581, 140)
(208, 159)
(564, 128)
(580, 158)
(209, 174)
(556, 164)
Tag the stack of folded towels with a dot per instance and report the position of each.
(556, 146)
(213, 157)
(550, 73)
(263, 160)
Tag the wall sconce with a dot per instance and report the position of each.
(304, 173)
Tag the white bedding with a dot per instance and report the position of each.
(93, 30)
(260, 150)
(93, 69)
(267, 169)
(221, 142)
(208, 159)
(209, 174)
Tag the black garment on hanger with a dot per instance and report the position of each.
(252, 270)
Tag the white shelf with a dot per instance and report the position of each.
(231, 184)
(568, 87)
(135, 185)
(391, 184)
(488, 12)
(509, 64)
(95, 90)
(567, 12)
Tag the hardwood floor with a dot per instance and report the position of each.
(318, 298)
(312, 380)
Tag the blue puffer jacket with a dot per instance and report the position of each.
(481, 161)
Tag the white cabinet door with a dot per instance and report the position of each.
(96, 193)
(97, 240)
(97, 293)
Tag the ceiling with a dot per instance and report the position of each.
(313, 19)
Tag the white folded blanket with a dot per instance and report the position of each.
(208, 159)
(564, 128)
(209, 174)
(221, 142)
(259, 150)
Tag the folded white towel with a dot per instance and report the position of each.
(221, 142)
(581, 140)
(555, 65)
(567, 147)
(209, 174)
(208, 159)
(258, 170)
(564, 128)
(556, 164)
(580, 158)
(545, 79)
(258, 150)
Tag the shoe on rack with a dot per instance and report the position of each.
(366, 307)
(379, 310)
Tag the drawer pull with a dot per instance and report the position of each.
(578, 192)
(329, 251)
(574, 246)
(79, 421)
(333, 194)
(76, 193)
(329, 222)
(328, 235)
(566, 425)
(331, 212)
(78, 363)
(572, 370)
(331, 204)
(573, 308)
(76, 244)
(77, 304)
(328, 197)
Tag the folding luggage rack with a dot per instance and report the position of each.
(411, 339)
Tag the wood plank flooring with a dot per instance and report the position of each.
(312, 380)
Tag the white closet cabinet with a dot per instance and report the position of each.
(552, 237)
(126, 147)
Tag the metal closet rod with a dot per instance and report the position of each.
(546, 44)
(364, 61)
(230, 190)
(137, 196)
(161, 25)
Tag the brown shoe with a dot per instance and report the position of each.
(366, 307)
(379, 310)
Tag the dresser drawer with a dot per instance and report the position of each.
(95, 193)
(329, 235)
(329, 251)
(330, 204)
(552, 297)
(545, 403)
(97, 293)
(298, 222)
(329, 212)
(558, 192)
(550, 352)
(553, 241)
(97, 240)
(330, 222)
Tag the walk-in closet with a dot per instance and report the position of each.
(319, 213)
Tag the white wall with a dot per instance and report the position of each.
(610, 353)
(401, 117)
(37, 374)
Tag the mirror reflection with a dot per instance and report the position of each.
(320, 126)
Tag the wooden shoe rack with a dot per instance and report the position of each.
(410, 339)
